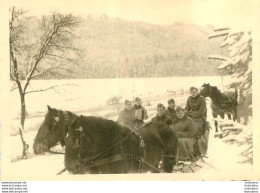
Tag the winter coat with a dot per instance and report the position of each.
(126, 118)
(171, 113)
(197, 110)
(184, 127)
(164, 119)
(196, 107)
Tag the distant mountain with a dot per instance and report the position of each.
(119, 48)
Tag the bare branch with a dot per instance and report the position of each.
(223, 58)
(59, 23)
(218, 35)
(41, 90)
(49, 88)
(45, 71)
(13, 77)
(221, 29)
(64, 58)
(14, 88)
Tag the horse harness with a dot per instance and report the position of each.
(98, 161)
(223, 104)
(66, 118)
(95, 162)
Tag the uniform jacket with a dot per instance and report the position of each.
(184, 127)
(164, 119)
(171, 113)
(196, 107)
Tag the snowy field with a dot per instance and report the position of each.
(77, 95)
(92, 97)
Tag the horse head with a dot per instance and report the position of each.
(52, 130)
(205, 90)
(81, 144)
(73, 141)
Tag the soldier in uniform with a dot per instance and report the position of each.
(161, 116)
(197, 110)
(171, 109)
(126, 117)
(140, 112)
(184, 129)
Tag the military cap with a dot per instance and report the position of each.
(179, 108)
(127, 101)
(171, 101)
(137, 99)
(160, 105)
(193, 88)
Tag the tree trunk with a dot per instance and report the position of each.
(21, 128)
(23, 112)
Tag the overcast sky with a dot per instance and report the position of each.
(239, 13)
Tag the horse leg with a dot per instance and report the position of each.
(238, 118)
(246, 120)
(222, 115)
(170, 155)
(235, 113)
(215, 122)
(152, 159)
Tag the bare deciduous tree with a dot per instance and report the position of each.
(39, 48)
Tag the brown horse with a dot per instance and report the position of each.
(160, 143)
(52, 130)
(222, 103)
(56, 127)
(96, 145)
(90, 138)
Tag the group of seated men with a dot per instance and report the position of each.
(189, 123)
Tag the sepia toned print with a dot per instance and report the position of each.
(155, 91)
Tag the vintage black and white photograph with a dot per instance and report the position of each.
(131, 87)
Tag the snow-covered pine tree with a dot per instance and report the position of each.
(238, 63)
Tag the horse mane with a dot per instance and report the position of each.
(102, 124)
(216, 95)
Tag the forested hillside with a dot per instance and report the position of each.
(119, 48)
(116, 48)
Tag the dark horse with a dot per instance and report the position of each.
(99, 143)
(52, 130)
(92, 138)
(222, 103)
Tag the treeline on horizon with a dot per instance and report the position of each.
(171, 65)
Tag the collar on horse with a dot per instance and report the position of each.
(61, 142)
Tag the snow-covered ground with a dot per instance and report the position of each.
(224, 161)
(76, 95)
(90, 97)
